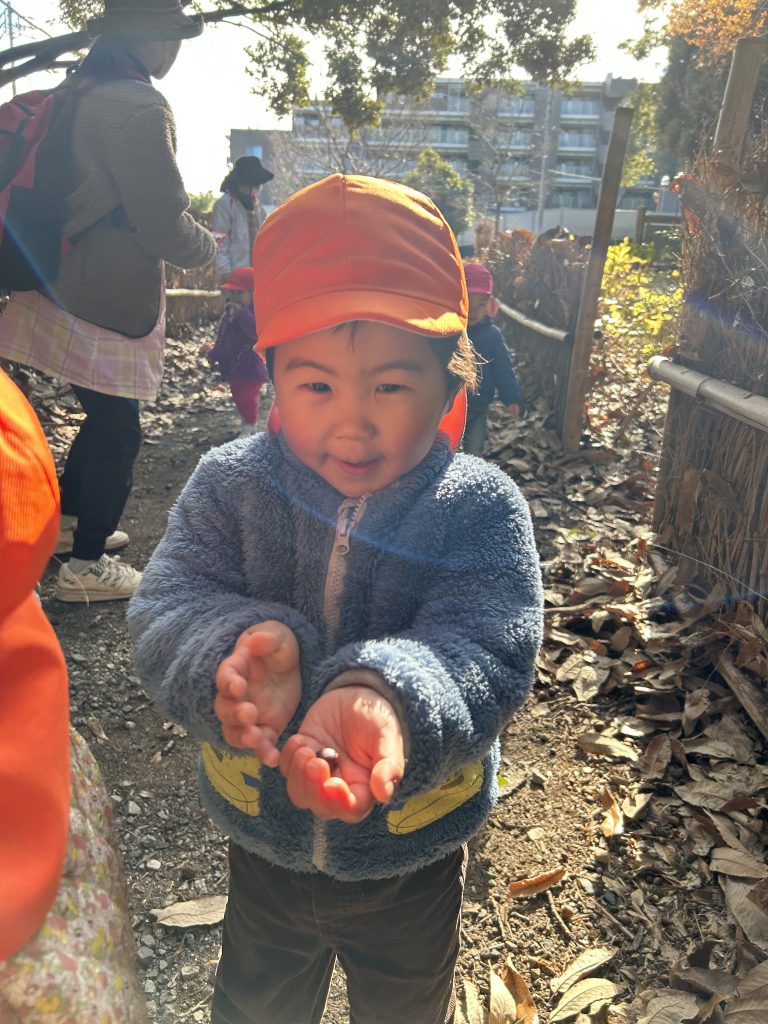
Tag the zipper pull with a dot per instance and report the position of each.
(342, 544)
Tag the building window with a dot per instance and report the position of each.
(254, 151)
(583, 108)
(578, 140)
(516, 106)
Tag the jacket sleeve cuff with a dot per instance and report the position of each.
(373, 681)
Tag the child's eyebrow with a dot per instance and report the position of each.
(407, 365)
(308, 364)
(399, 364)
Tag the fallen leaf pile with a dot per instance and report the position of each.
(677, 679)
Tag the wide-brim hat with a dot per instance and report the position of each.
(351, 247)
(155, 19)
(249, 170)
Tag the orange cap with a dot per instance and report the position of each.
(34, 714)
(351, 247)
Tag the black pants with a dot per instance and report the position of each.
(98, 474)
(397, 940)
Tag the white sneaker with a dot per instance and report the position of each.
(248, 430)
(66, 540)
(109, 579)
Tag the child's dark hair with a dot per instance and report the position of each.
(455, 354)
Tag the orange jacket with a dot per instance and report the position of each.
(34, 712)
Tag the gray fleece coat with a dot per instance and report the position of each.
(130, 205)
(438, 594)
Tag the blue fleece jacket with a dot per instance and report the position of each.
(496, 369)
(440, 595)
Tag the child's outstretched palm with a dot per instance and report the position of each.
(364, 729)
(259, 687)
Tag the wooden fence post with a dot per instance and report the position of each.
(737, 101)
(578, 376)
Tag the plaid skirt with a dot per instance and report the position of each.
(80, 966)
(36, 332)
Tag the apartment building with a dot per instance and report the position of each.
(538, 150)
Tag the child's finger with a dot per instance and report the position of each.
(277, 644)
(300, 784)
(230, 676)
(385, 778)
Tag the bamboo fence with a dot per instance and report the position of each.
(712, 497)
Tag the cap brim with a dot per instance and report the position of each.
(316, 312)
(186, 27)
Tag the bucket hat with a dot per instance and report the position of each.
(351, 247)
(249, 170)
(155, 19)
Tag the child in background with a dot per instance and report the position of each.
(495, 367)
(371, 611)
(233, 352)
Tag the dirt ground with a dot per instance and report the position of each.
(549, 816)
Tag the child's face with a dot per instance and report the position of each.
(360, 404)
(478, 307)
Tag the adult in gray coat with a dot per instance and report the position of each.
(100, 325)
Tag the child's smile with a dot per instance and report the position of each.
(360, 403)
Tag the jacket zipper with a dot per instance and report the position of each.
(349, 514)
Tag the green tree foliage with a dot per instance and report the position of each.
(642, 151)
(700, 36)
(375, 47)
(689, 97)
(444, 185)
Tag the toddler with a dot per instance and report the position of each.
(346, 614)
(233, 352)
(496, 369)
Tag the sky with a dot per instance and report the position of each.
(210, 92)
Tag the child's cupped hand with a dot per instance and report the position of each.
(258, 689)
(363, 728)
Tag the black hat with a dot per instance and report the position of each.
(249, 171)
(155, 19)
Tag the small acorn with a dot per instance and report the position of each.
(331, 756)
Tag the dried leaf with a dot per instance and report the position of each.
(748, 695)
(754, 981)
(751, 919)
(472, 1005)
(710, 794)
(705, 981)
(635, 805)
(670, 1007)
(582, 967)
(596, 743)
(526, 1008)
(532, 886)
(613, 822)
(759, 895)
(735, 862)
(189, 914)
(97, 728)
(582, 995)
(749, 1010)
(656, 758)
(503, 1008)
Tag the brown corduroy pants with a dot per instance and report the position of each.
(397, 940)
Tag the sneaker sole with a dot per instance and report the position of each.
(88, 597)
(66, 549)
